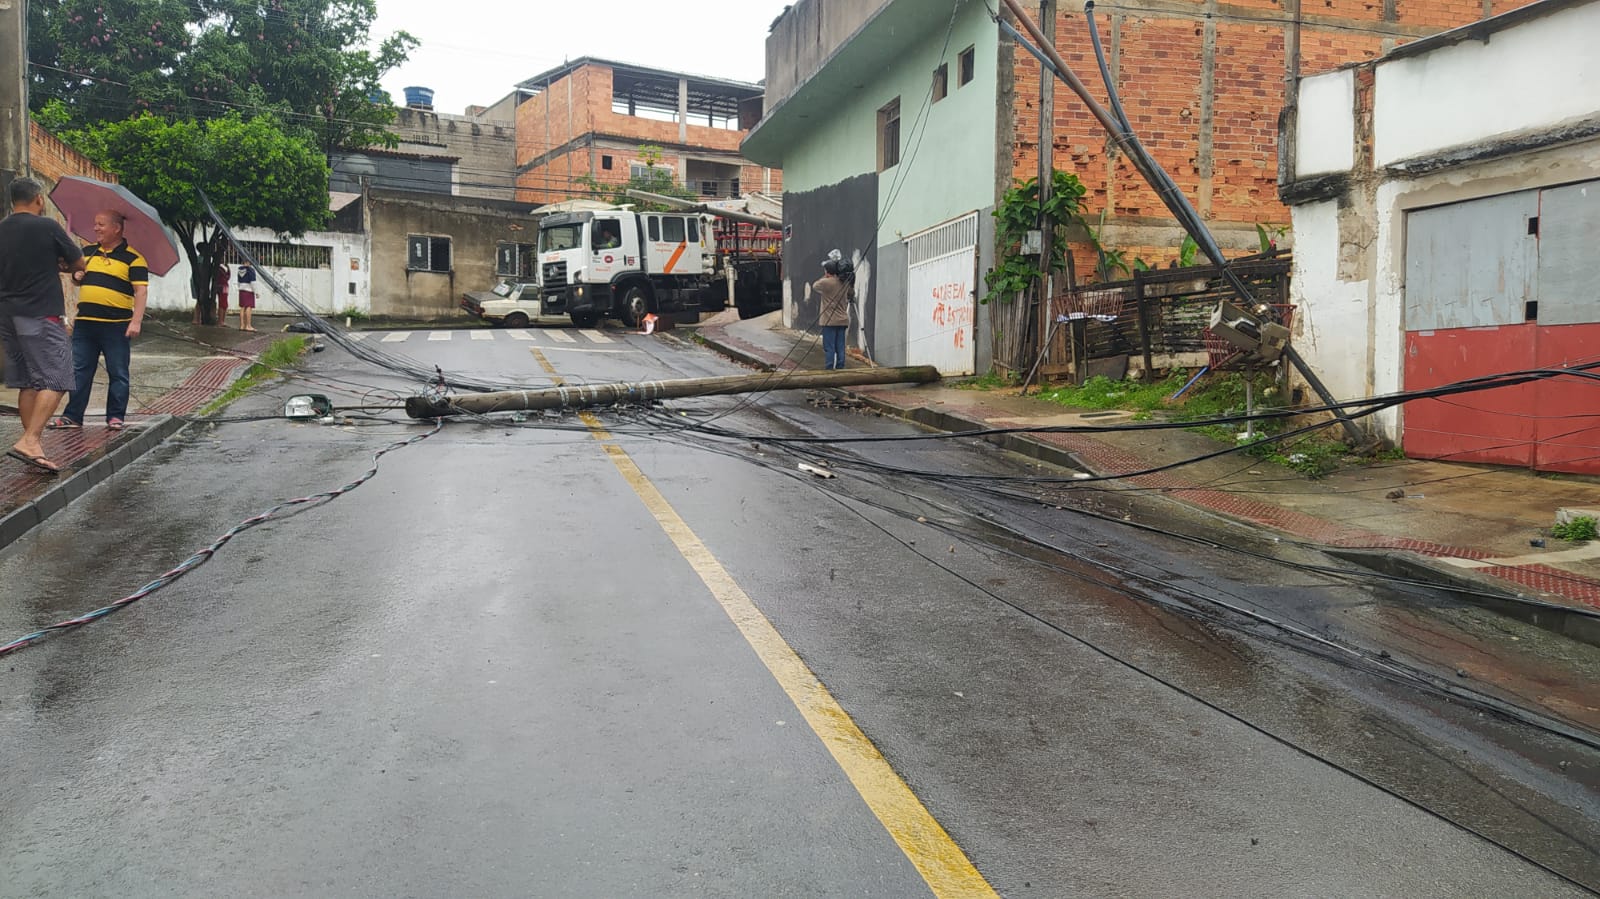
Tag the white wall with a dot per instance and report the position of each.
(1325, 129)
(1532, 75)
(326, 291)
(1331, 326)
(1349, 279)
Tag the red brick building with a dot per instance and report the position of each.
(50, 158)
(1204, 84)
(592, 121)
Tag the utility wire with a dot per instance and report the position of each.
(205, 554)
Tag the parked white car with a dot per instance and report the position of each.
(511, 304)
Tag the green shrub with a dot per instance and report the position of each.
(1577, 530)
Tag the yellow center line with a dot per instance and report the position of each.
(930, 849)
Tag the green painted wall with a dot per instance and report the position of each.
(947, 152)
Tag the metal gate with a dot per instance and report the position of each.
(941, 296)
(1504, 284)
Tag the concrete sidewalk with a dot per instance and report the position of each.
(176, 368)
(1467, 527)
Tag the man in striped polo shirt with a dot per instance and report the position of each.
(111, 299)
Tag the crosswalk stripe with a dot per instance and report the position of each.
(482, 335)
(596, 336)
(562, 337)
(519, 334)
(357, 335)
(396, 336)
(439, 335)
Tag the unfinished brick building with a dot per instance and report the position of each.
(1204, 84)
(595, 122)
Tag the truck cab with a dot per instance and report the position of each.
(581, 255)
(626, 264)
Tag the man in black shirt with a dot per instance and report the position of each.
(34, 252)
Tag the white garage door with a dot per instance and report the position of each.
(941, 296)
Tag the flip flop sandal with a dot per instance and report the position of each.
(114, 424)
(39, 462)
(63, 423)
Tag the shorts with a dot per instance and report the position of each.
(247, 299)
(38, 353)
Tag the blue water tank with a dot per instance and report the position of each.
(420, 97)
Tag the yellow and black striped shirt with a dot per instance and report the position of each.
(110, 276)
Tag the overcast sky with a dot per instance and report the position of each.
(473, 52)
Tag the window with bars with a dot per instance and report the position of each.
(427, 253)
(282, 255)
(516, 260)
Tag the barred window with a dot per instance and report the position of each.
(515, 260)
(427, 254)
(282, 255)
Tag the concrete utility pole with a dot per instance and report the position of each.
(13, 91)
(1047, 171)
(578, 397)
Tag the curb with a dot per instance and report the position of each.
(718, 340)
(1486, 592)
(1578, 624)
(30, 515)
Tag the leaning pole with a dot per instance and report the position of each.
(587, 395)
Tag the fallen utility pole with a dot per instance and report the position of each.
(582, 396)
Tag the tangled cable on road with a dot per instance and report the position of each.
(204, 555)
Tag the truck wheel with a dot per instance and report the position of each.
(584, 319)
(516, 320)
(635, 306)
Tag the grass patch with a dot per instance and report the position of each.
(1215, 396)
(1212, 397)
(1580, 529)
(283, 353)
(992, 381)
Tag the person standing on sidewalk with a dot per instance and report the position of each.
(221, 282)
(833, 313)
(247, 296)
(111, 299)
(34, 251)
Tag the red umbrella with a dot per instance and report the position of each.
(79, 199)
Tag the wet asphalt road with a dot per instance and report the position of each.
(490, 672)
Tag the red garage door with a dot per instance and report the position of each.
(1503, 284)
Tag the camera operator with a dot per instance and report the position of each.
(833, 292)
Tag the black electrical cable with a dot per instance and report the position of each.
(206, 553)
(1188, 694)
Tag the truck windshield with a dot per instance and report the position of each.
(560, 237)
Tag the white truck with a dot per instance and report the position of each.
(624, 264)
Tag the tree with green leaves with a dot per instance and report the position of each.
(255, 172)
(102, 60)
(305, 60)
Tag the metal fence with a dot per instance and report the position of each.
(283, 255)
(1155, 315)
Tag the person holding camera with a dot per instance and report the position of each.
(833, 312)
